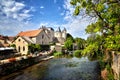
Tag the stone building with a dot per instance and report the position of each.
(22, 43)
(60, 36)
(37, 36)
(30, 37)
(42, 36)
(6, 41)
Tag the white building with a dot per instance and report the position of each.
(60, 36)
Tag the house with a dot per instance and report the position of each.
(22, 43)
(30, 37)
(37, 36)
(5, 41)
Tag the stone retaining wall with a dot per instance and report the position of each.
(8, 68)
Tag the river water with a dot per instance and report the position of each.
(59, 69)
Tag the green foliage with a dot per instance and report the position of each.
(110, 75)
(77, 53)
(45, 47)
(112, 42)
(106, 11)
(77, 10)
(80, 43)
(68, 44)
(34, 47)
(69, 37)
(53, 43)
(58, 54)
(94, 45)
(90, 49)
(107, 25)
(13, 45)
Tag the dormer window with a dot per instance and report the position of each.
(19, 40)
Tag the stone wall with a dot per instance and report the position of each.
(116, 65)
(17, 65)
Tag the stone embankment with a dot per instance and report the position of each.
(10, 65)
(116, 65)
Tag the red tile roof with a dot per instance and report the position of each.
(1, 37)
(31, 33)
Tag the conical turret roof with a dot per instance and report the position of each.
(64, 29)
(58, 30)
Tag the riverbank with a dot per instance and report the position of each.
(13, 66)
(59, 69)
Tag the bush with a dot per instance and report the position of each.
(77, 53)
(58, 54)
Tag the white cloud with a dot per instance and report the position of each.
(14, 17)
(12, 27)
(13, 9)
(50, 24)
(26, 11)
(41, 7)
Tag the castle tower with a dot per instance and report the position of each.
(58, 33)
(64, 33)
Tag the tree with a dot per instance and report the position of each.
(69, 44)
(106, 27)
(69, 36)
(34, 48)
(80, 43)
(107, 24)
(13, 45)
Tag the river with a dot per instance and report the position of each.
(59, 69)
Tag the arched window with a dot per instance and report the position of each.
(23, 48)
(18, 48)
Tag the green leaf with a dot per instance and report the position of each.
(77, 10)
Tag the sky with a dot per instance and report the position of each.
(22, 15)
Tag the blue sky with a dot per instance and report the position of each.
(22, 15)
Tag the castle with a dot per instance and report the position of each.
(57, 36)
(42, 36)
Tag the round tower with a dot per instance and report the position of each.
(58, 33)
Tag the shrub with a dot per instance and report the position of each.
(77, 53)
(58, 54)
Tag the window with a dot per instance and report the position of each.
(18, 48)
(23, 48)
(42, 36)
(19, 40)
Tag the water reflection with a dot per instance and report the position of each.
(59, 69)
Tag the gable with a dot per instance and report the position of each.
(23, 39)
